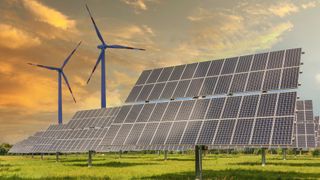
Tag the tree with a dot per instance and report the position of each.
(4, 148)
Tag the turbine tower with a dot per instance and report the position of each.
(60, 75)
(103, 47)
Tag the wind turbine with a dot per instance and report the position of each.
(60, 75)
(103, 47)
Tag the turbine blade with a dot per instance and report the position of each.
(68, 58)
(66, 80)
(95, 66)
(124, 47)
(95, 26)
(43, 66)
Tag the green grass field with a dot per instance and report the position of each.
(152, 166)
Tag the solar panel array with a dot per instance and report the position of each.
(45, 141)
(253, 120)
(85, 130)
(304, 125)
(82, 133)
(259, 72)
(221, 103)
(26, 145)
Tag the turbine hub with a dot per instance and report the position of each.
(102, 46)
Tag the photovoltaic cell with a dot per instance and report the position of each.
(208, 86)
(194, 88)
(161, 133)
(144, 94)
(165, 74)
(145, 113)
(232, 107)
(244, 63)
(215, 67)
(168, 90)
(171, 111)
(242, 132)
(154, 75)
(289, 78)
(255, 81)
(286, 104)
(156, 92)
(122, 134)
(189, 71)
(292, 57)
(224, 132)
(207, 132)
(239, 82)
(200, 109)
(275, 59)
(202, 69)
(176, 133)
(259, 62)
(181, 89)
(122, 114)
(148, 133)
(191, 132)
(185, 110)
(134, 93)
(262, 131)
(223, 84)
(215, 108)
(267, 105)
(134, 134)
(249, 106)
(272, 79)
(282, 130)
(177, 72)
(158, 111)
(133, 114)
(143, 77)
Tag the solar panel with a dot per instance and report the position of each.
(305, 126)
(259, 72)
(251, 120)
(82, 133)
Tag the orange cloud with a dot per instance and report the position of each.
(283, 9)
(138, 4)
(12, 37)
(49, 15)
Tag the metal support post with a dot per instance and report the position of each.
(57, 156)
(263, 156)
(284, 153)
(198, 162)
(90, 158)
(41, 156)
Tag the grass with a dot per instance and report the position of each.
(152, 166)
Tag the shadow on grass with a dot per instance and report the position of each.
(236, 174)
(285, 163)
(16, 177)
(8, 168)
(175, 159)
(112, 164)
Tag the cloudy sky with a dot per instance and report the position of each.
(173, 32)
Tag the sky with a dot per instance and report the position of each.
(173, 32)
